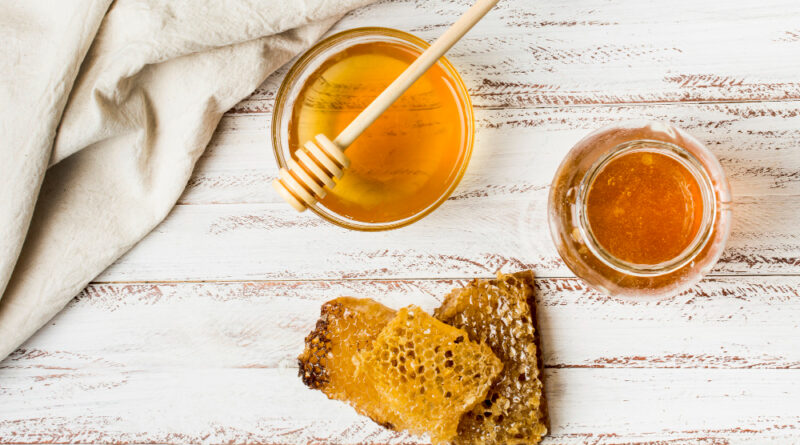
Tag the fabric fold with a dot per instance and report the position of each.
(141, 110)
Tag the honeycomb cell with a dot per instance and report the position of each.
(346, 326)
(498, 314)
(427, 405)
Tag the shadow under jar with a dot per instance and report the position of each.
(640, 209)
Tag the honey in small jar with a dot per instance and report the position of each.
(644, 207)
(411, 156)
(640, 209)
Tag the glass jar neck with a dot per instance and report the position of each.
(695, 246)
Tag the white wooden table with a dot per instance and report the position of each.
(192, 336)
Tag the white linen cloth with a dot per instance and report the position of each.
(104, 109)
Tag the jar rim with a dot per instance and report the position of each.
(303, 65)
(699, 174)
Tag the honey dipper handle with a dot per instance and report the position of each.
(413, 72)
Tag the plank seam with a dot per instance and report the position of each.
(588, 105)
(327, 280)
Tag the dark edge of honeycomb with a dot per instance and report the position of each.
(386, 425)
(315, 376)
(527, 277)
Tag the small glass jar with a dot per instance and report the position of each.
(585, 255)
(331, 47)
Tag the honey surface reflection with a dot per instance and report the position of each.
(409, 157)
(644, 207)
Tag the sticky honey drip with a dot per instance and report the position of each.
(644, 207)
(409, 157)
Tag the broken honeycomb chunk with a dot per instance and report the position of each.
(346, 326)
(498, 313)
(428, 372)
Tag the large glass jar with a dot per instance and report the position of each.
(603, 261)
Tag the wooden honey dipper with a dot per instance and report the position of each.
(304, 183)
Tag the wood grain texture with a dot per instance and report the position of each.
(215, 363)
(600, 52)
(517, 151)
(192, 336)
(271, 406)
(271, 241)
(263, 324)
(497, 214)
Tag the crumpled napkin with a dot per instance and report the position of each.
(104, 109)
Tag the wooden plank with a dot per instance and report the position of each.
(463, 238)
(214, 363)
(270, 406)
(731, 322)
(518, 151)
(594, 52)
(497, 214)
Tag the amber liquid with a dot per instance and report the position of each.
(644, 207)
(409, 157)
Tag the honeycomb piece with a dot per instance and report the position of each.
(346, 326)
(428, 372)
(498, 313)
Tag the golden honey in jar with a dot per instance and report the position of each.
(410, 159)
(644, 207)
(640, 209)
